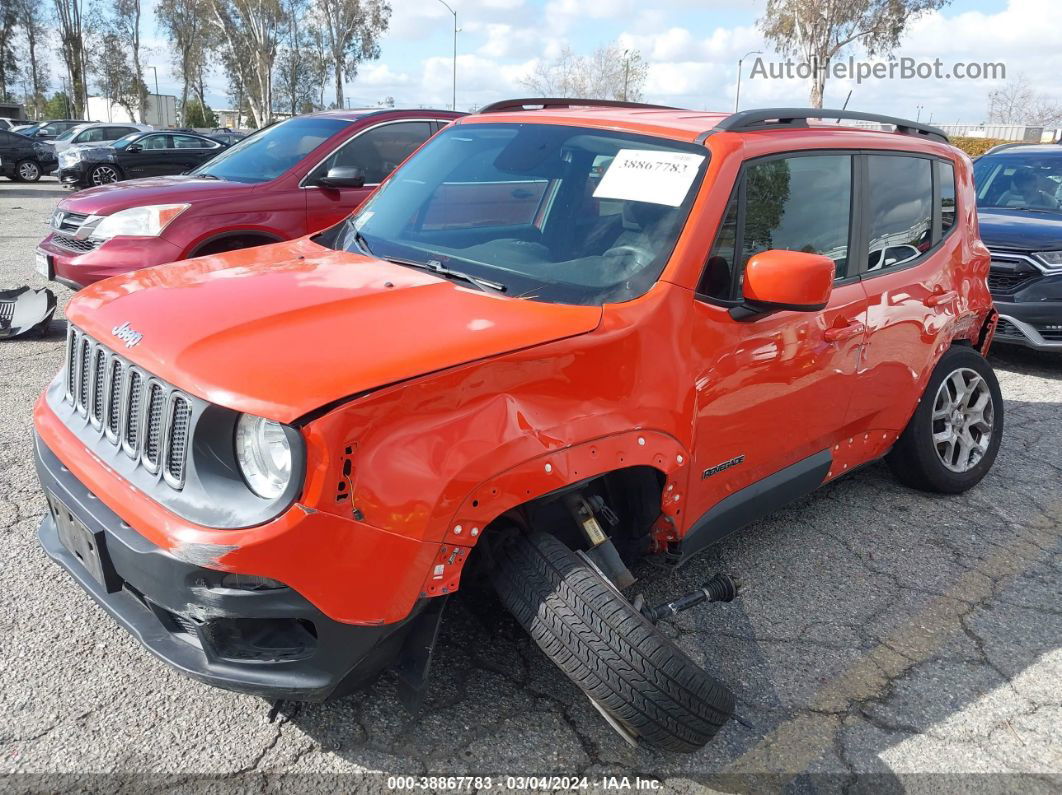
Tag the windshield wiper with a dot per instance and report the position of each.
(436, 267)
(362, 243)
(1033, 209)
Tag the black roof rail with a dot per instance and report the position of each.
(775, 118)
(534, 103)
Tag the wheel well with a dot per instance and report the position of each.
(632, 494)
(233, 241)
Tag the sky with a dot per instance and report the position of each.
(692, 47)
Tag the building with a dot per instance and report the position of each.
(161, 111)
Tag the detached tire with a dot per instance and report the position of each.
(953, 437)
(634, 674)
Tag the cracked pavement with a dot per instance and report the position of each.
(886, 640)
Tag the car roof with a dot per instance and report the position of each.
(354, 114)
(697, 126)
(1025, 149)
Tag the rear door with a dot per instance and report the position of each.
(377, 151)
(773, 392)
(192, 150)
(911, 258)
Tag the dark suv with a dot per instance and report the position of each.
(1019, 205)
(23, 159)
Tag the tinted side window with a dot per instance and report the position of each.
(379, 151)
(946, 181)
(191, 142)
(114, 133)
(10, 139)
(88, 136)
(900, 209)
(155, 142)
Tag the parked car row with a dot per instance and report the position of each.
(556, 341)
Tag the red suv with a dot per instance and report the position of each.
(282, 182)
(556, 342)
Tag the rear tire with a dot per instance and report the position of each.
(953, 437)
(631, 672)
(27, 171)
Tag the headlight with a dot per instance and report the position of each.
(1052, 259)
(70, 156)
(138, 221)
(264, 455)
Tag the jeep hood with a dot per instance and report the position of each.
(281, 330)
(109, 199)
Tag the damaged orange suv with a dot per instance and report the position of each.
(563, 336)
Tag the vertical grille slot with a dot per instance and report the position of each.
(114, 404)
(156, 405)
(71, 363)
(131, 437)
(177, 447)
(99, 383)
(84, 373)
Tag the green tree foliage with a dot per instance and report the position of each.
(196, 114)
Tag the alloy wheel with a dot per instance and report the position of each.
(104, 175)
(29, 171)
(963, 417)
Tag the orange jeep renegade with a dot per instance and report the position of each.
(563, 336)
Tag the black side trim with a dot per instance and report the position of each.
(754, 502)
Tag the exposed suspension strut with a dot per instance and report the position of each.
(720, 588)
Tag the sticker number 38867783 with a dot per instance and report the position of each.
(647, 175)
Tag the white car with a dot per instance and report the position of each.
(96, 134)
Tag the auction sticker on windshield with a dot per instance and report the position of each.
(647, 175)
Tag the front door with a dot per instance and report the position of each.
(377, 151)
(774, 392)
(155, 156)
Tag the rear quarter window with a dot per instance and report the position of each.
(900, 209)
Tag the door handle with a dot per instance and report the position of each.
(941, 298)
(842, 333)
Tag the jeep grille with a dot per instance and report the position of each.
(143, 415)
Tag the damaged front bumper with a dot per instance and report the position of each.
(247, 634)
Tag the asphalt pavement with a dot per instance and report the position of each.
(887, 640)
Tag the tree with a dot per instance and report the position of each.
(819, 31)
(187, 26)
(58, 107)
(36, 72)
(608, 73)
(124, 22)
(296, 75)
(112, 74)
(352, 30)
(196, 114)
(70, 18)
(1017, 103)
(250, 31)
(8, 62)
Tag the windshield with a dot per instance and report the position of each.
(66, 136)
(1026, 181)
(554, 213)
(268, 153)
(123, 142)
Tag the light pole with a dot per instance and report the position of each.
(157, 102)
(626, 72)
(737, 94)
(453, 101)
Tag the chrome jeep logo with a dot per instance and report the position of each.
(127, 335)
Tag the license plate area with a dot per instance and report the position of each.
(87, 547)
(42, 263)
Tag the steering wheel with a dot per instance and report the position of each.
(625, 261)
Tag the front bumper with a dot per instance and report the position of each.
(76, 175)
(1037, 326)
(272, 643)
(77, 263)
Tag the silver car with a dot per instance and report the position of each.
(96, 134)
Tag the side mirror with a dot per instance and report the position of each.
(793, 280)
(133, 148)
(343, 177)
